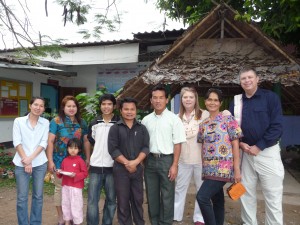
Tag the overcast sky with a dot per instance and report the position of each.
(137, 16)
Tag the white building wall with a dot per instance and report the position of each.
(86, 77)
(21, 75)
(91, 55)
(83, 60)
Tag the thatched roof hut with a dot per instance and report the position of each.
(211, 53)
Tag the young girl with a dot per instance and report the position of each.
(73, 172)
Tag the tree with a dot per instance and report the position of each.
(278, 18)
(74, 11)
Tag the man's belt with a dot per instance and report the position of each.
(160, 155)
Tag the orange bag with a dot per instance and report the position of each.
(236, 190)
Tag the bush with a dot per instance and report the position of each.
(89, 105)
(5, 157)
(6, 164)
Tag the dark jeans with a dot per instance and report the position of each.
(97, 182)
(211, 201)
(160, 190)
(130, 196)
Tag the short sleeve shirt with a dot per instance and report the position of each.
(64, 131)
(165, 130)
(191, 149)
(216, 136)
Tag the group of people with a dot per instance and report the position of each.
(164, 150)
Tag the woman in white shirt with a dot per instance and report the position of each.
(30, 135)
(190, 162)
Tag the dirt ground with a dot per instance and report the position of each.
(232, 208)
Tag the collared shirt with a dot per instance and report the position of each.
(30, 138)
(261, 119)
(65, 131)
(100, 161)
(191, 149)
(216, 136)
(129, 142)
(165, 131)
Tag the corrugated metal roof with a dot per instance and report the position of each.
(9, 63)
(136, 38)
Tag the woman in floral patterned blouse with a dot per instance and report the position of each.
(67, 125)
(220, 154)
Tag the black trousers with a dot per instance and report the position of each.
(130, 197)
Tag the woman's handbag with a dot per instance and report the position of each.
(236, 190)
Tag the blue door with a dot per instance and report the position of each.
(50, 94)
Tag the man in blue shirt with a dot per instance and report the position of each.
(260, 113)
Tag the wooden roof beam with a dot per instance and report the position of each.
(230, 33)
(176, 47)
(209, 29)
(236, 29)
(214, 34)
(141, 90)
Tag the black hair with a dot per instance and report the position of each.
(110, 97)
(127, 100)
(63, 103)
(35, 98)
(159, 87)
(216, 91)
(74, 142)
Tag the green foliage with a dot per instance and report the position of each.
(49, 116)
(89, 104)
(74, 11)
(11, 183)
(48, 188)
(89, 107)
(30, 55)
(7, 183)
(280, 19)
(5, 158)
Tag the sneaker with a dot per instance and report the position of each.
(199, 223)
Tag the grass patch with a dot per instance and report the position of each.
(11, 183)
(48, 187)
(7, 183)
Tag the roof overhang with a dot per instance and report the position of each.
(39, 69)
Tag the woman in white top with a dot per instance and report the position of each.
(190, 162)
(30, 135)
